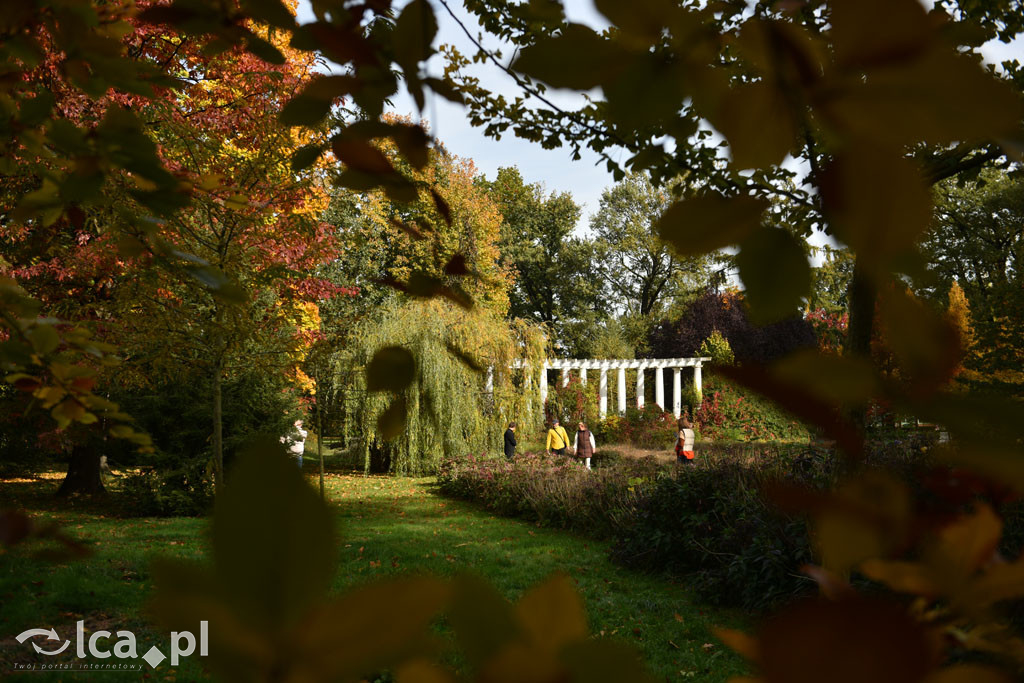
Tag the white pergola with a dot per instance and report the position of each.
(659, 365)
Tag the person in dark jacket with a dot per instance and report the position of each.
(584, 445)
(510, 440)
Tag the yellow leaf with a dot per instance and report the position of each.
(236, 202)
(422, 671)
(844, 541)
(968, 673)
(740, 642)
(552, 614)
(905, 577)
(1000, 582)
(968, 543)
(49, 396)
(210, 181)
(758, 122)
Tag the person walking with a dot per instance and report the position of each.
(296, 442)
(684, 441)
(510, 440)
(558, 440)
(584, 445)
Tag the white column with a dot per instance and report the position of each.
(620, 390)
(583, 375)
(543, 385)
(697, 386)
(640, 386)
(602, 390)
(677, 392)
(565, 376)
(659, 387)
(490, 380)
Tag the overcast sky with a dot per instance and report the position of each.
(585, 179)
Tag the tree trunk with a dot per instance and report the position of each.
(320, 438)
(862, 296)
(218, 434)
(83, 475)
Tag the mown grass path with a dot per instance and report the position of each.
(388, 526)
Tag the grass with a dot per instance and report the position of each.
(389, 526)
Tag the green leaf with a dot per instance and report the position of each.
(303, 110)
(577, 58)
(924, 341)
(360, 155)
(391, 423)
(273, 540)
(939, 98)
(392, 368)
(413, 142)
(758, 123)
(414, 34)
(482, 619)
(271, 12)
(373, 627)
(264, 50)
(840, 379)
(647, 89)
(44, 338)
(306, 156)
(445, 89)
(644, 19)
(776, 276)
(704, 224)
(330, 87)
(218, 283)
(876, 201)
(36, 110)
(858, 37)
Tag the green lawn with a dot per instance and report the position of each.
(388, 525)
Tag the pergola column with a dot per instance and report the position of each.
(697, 383)
(565, 376)
(543, 386)
(640, 386)
(659, 387)
(677, 392)
(603, 392)
(583, 375)
(490, 380)
(620, 391)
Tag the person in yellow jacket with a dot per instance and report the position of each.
(558, 440)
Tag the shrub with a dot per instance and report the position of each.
(729, 413)
(649, 427)
(177, 479)
(706, 524)
(172, 488)
(710, 526)
(573, 402)
(552, 491)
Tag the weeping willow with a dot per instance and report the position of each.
(450, 410)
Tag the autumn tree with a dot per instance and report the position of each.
(976, 242)
(556, 277)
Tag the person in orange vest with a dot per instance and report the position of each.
(558, 440)
(684, 442)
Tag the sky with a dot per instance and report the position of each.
(554, 169)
